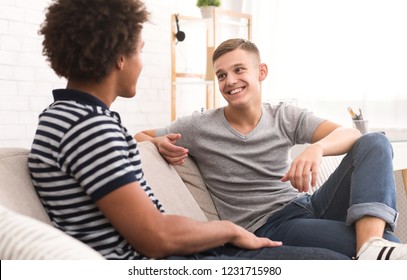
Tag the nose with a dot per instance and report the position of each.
(231, 79)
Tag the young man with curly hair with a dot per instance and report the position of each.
(86, 167)
(242, 151)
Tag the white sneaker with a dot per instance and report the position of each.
(380, 249)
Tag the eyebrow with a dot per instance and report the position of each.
(219, 71)
(233, 66)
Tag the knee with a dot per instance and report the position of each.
(376, 141)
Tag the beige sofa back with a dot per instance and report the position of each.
(170, 189)
(18, 194)
(16, 190)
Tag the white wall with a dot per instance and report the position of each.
(26, 81)
(331, 54)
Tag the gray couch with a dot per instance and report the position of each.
(27, 233)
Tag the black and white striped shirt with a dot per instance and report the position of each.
(81, 152)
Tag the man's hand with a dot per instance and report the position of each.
(304, 167)
(249, 241)
(168, 149)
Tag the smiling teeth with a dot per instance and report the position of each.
(234, 91)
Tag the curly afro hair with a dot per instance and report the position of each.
(84, 38)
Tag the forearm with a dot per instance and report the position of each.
(185, 236)
(158, 235)
(146, 135)
(329, 139)
(166, 145)
(338, 142)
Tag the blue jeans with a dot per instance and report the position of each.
(275, 253)
(362, 185)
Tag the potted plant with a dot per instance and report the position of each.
(207, 7)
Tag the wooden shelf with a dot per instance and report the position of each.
(190, 75)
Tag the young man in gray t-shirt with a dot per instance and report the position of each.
(242, 151)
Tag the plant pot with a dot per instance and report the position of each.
(207, 11)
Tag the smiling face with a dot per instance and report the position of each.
(239, 74)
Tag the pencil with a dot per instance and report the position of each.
(353, 115)
(360, 114)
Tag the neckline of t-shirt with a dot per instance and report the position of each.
(237, 133)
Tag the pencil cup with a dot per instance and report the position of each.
(361, 125)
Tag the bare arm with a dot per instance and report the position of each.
(166, 145)
(329, 139)
(145, 135)
(334, 139)
(157, 235)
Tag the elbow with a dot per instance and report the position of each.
(356, 133)
(146, 135)
(158, 246)
(140, 137)
(349, 133)
(160, 250)
(154, 253)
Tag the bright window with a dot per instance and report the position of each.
(330, 54)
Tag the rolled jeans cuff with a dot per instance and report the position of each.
(374, 209)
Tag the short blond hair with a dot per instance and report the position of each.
(234, 44)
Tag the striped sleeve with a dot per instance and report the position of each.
(96, 153)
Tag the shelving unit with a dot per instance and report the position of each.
(202, 37)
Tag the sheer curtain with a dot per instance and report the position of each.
(327, 55)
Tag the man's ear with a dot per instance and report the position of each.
(120, 62)
(263, 71)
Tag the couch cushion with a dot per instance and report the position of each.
(167, 185)
(24, 238)
(16, 190)
(192, 178)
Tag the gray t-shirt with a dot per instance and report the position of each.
(243, 172)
